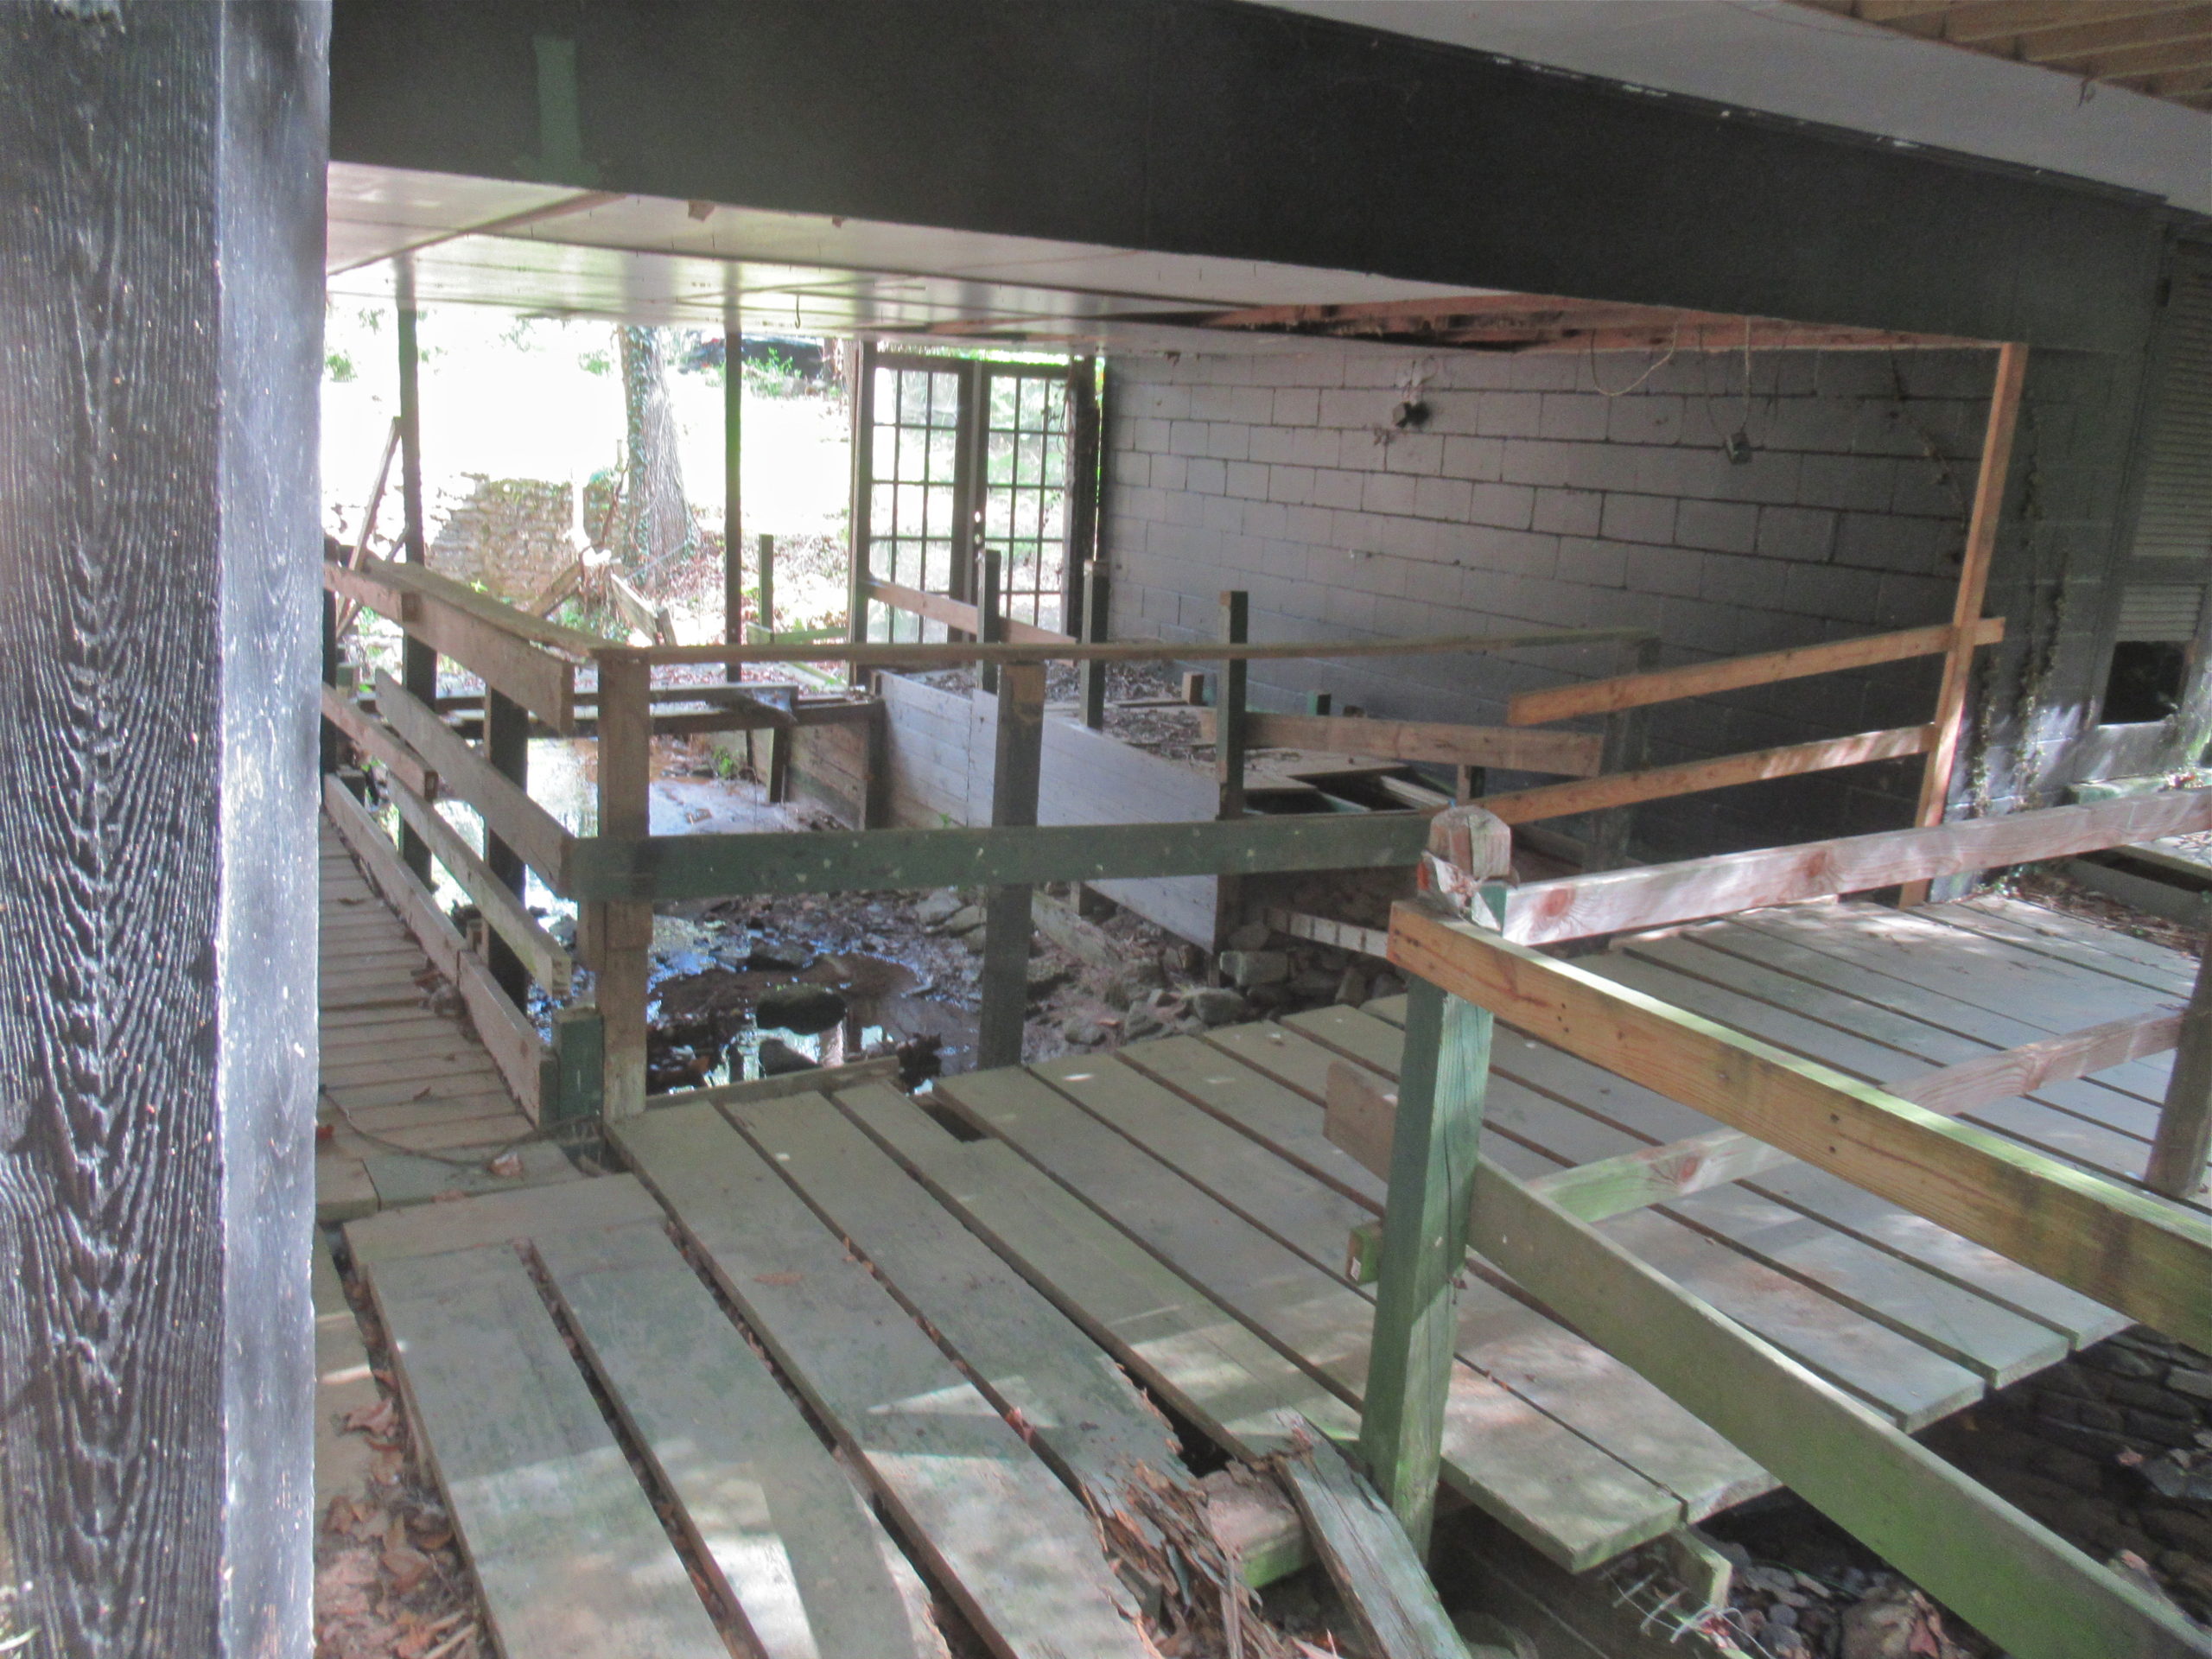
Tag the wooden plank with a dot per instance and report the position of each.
(2020, 1584)
(343, 1381)
(1186, 1347)
(549, 964)
(1793, 1305)
(1367, 941)
(1734, 673)
(1378, 1572)
(498, 1218)
(1498, 1334)
(507, 811)
(1572, 755)
(1574, 1501)
(1037, 1368)
(2103, 950)
(2178, 1155)
(1662, 783)
(542, 682)
(1973, 582)
(954, 614)
(785, 1533)
(1011, 1545)
(379, 743)
(1656, 895)
(2130, 1252)
(925, 659)
(561, 1539)
(720, 866)
(622, 933)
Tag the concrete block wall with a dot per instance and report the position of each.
(1561, 490)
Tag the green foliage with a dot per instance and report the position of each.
(338, 366)
(596, 362)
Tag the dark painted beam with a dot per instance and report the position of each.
(160, 295)
(1223, 128)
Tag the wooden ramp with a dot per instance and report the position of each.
(859, 1362)
(409, 1096)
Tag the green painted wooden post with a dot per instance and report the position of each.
(1006, 909)
(577, 1065)
(1433, 1148)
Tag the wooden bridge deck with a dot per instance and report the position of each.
(960, 1316)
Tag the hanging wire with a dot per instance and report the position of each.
(1589, 342)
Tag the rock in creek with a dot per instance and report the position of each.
(803, 1008)
(780, 1059)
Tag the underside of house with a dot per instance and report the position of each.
(1625, 616)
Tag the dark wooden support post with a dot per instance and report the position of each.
(990, 628)
(1007, 924)
(2185, 1136)
(578, 1068)
(1441, 1084)
(1097, 613)
(507, 744)
(1319, 702)
(1229, 750)
(862, 392)
(623, 934)
(1987, 513)
(767, 559)
(733, 486)
(332, 738)
(418, 661)
(1080, 547)
(1627, 743)
(160, 277)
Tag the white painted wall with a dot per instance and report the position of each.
(1792, 60)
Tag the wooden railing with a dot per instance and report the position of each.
(2020, 1584)
(617, 875)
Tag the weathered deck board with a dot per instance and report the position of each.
(1577, 1502)
(1196, 1354)
(1556, 1372)
(1079, 1409)
(564, 1544)
(1912, 1384)
(798, 1551)
(1012, 1544)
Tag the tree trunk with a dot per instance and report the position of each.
(656, 524)
(161, 294)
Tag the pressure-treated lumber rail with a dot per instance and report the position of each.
(1659, 895)
(1693, 776)
(1570, 754)
(958, 614)
(1736, 673)
(503, 912)
(379, 743)
(507, 809)
(2127, 1250)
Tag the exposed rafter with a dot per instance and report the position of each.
(2161, 47)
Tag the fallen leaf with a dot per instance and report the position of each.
(507, 1166)
(378, 1419)
(407, 1566)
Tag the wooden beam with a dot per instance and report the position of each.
(1660, 783)
(503, 912)
(722, 866)
(2105, 31)
(501, 656)
(1660, 1174)
(1019, 766)
(1734, 673)
(1973, 23)
(1097, 615)
(1659, 895)
(1571, 754)
(2129, 63)
(2185, 1136)
(161, 269)
(2019, 1584)
(506, 810)
(953, 655)
(622, 931)
(1436, 1131)
(1323, 930)
(379, 743)
(1974, 583)
(2126, 1249)
(958, 614)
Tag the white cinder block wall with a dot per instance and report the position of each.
(1534, 498)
